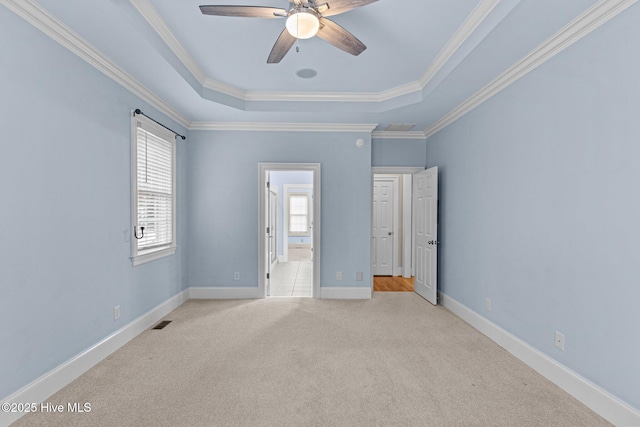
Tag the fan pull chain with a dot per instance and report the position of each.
(297, 32)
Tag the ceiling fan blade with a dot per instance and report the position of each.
(244, 11)
(337, 7)
(282, 46)
(339, 37)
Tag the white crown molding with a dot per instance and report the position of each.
(283, 127)
(164, 32)
(478, 15)
(381, 134)
(224, 88)
(398, 91)
(364, 97)
(151, 15)
(37, 16)
(311, 97)
(588, 21)
(584, 24)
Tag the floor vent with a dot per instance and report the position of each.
(162, 324)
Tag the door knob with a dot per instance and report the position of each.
(390, 233)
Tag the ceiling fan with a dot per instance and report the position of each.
(305, 19)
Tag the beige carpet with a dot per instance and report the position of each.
(392, 361)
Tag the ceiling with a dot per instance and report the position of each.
(426, 63)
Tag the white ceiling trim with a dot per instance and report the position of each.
(151, 15)
(243, 95)
(478, 15)
(283, 127)
(365, 97)
(34, 14)
(41, 19)
(588, 21)
(224, 88)
(585, 23)
(398, 135)
(154, 19)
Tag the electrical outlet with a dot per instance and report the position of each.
(359, 276)
(339, 275)
(487, 304)
(236, 275)
(116, 312)
(560, 340)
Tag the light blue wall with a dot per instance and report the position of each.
(65, 216)
(278, 180)
(540, 207)
(398, 152)
(223, 209)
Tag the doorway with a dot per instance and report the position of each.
(292, 273)
(392, 253)
(289, 238)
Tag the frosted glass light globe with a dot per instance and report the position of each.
(302, 24)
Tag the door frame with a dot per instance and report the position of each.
(407, 247)
(263, 169)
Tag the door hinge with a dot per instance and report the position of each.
(267, 230)
(267, 275)
(268, 184)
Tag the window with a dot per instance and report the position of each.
(153, 190)
(299, 214)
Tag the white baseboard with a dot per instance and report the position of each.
(398, 271)
(42, 388)
(345, 292)
(282, 258)
(598, 400)
(223, 293)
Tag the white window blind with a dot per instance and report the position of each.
(154, 198)
(299, 214)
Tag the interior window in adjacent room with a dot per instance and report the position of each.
(299, 214)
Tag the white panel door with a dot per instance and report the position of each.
(383, 199)
(425, 234)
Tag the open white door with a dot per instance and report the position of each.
(425, 233)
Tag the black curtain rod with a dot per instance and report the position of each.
(137, 111)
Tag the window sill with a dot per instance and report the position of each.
(152, 256)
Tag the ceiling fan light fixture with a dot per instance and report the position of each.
(302, 23)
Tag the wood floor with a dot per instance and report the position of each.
(392, 284)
